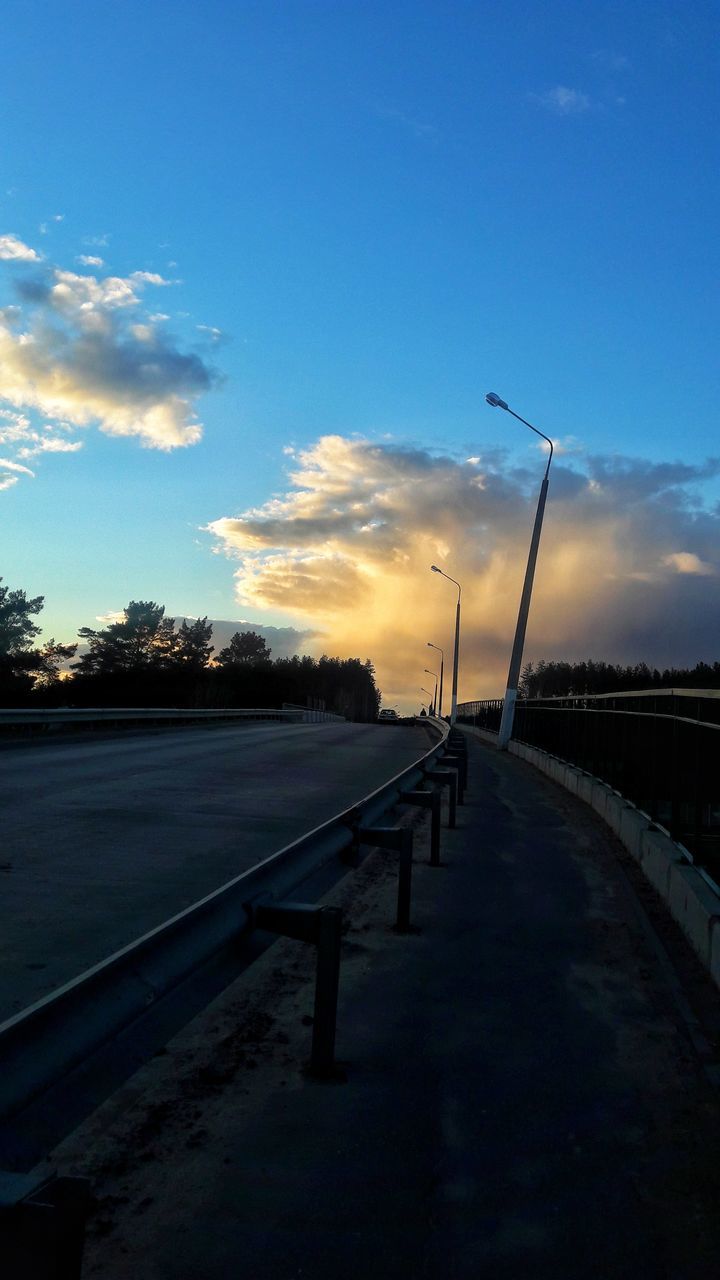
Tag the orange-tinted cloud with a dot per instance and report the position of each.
(626, 552)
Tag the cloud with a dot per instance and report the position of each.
(688, 562)
(17, 431)
(346, 551)
(563, 101)
(12, 249)
(81, 351)
(10, 473)
(89, 260)
(151, 277)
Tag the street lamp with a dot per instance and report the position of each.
(428, 672)
(427, 691)
(508, 711)
(453, 705)
(442, 665)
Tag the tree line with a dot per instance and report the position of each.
(144, 659)
(560, 679)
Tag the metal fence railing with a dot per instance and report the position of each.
(660, 748)
(47, 720)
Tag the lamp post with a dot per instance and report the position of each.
(428, 672)
(508, 711)
(427, 691)
(442, 664)
(453, 705)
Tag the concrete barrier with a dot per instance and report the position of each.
(658, 853)
(614, 806)
(585, 787)
(600, 794)
(633, 823)
(695, 907)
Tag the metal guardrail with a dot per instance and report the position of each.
(45, 1042)
(43, 718)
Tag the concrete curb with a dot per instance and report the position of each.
(692, 901)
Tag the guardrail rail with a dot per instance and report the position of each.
(45, 1045)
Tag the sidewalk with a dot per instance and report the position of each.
(521, 1100)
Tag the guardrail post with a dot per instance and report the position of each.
(457, 762)
(447, 778)
(323, 927)
(400, 838)
(327, 981)
(42, 1224)
(428, 800)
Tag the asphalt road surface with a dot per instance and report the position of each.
(104, 839)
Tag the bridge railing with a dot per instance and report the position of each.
(660, 748)
(45, 720)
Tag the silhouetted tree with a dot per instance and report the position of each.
(560, 679)
(17, 629)
(244, 647)
(142, 639)
(192, 644)
(50, 660)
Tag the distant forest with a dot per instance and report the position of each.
(557, 679)
(144, 660)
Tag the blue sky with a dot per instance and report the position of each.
(378, 212)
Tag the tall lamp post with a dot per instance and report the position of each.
(427, 691)
(428, 672)
(508, 711)
(442, 664)
(453, 706)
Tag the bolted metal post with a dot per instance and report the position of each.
(323, 927)
(327, 981)
(400, 838)
(456, 762)
(435, 828)
(402, 923)
(448, 778)
(428, 800)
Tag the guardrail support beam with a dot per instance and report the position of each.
(400, 838)
(460, 763)
(428, 800)
(323, 927)
(446, 778)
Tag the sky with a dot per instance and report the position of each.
(259, 265)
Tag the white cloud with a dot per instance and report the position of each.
(17, 431)
(80, 351)
(10, 473)
(12, 249)
(151, 277)
(89, 260)
(563, 101)
(688, 562)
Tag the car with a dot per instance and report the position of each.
(388, 714)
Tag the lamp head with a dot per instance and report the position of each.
(435, 568)
(495, 401)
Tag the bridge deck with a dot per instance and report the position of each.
(523, 1098)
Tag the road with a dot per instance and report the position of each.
(104, 839)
